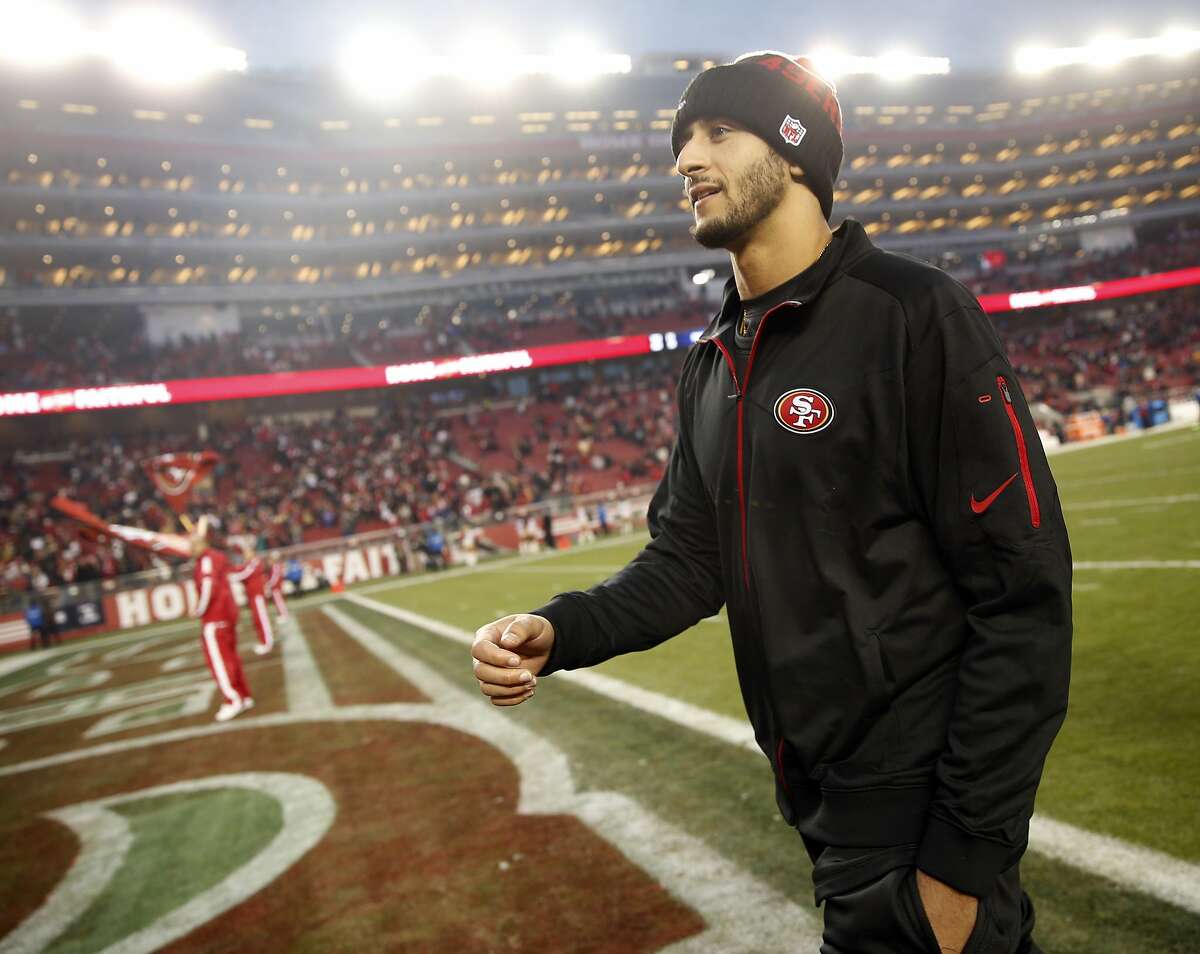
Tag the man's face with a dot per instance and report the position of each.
(732, 179)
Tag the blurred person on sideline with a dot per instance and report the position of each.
(250, 575)
(857, 478)
(218, 615)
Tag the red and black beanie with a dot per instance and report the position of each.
(781, 99)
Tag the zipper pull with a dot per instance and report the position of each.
(1004, 390)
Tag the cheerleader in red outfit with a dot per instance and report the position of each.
(218, 618)
(251, 576)
(275, 586)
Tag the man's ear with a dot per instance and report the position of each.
(796, 172)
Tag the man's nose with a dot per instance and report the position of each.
(692, 159)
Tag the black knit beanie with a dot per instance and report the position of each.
(780, 99)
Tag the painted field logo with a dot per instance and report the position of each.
(792, 131)
(803, 410)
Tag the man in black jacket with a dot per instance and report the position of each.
(857, 478)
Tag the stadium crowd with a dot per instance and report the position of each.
(1131, 349)
(292, 481)
(1175, 247)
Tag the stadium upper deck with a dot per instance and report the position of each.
(274, 187)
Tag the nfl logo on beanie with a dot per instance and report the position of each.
(783, 101)
(792, 131)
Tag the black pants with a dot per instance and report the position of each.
(885, 916)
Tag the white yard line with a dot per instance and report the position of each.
(304, 686)
(1129, 477)
(1133, 502)
(1137, 565)
(568, 569)
(1139, 869)
(1131, 866)
(1171, 441)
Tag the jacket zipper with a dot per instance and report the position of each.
(739, 392)
(1035, 513)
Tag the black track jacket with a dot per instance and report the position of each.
(872, 503)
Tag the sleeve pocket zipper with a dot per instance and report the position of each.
(1035, 513)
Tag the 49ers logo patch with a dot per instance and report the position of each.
(803, 410)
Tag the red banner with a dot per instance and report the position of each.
(175, 475)
(1097, 291)
(167, 544)
(194, 390)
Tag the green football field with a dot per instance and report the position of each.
(372, 800)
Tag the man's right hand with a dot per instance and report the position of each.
(508, 654)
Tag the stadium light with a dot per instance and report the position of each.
(1176, 43)
(578, 59)
(894, 65)
(1106, 51)
(489, 60)
(152, 44)
(383, 63)
(41, 35)
(165, 48)
(704, 277)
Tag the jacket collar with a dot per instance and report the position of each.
(850, 243)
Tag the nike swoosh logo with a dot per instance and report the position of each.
(979, 506)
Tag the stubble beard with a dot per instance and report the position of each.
(761, 188)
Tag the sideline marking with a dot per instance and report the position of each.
(1129, 478)
(1133, 502)
(569, 569)
(1138, 565)
(734, 731)
(304, 687)
(104, 840)
(1166, 878)
(741, 913)
(1144, 870)
(1169, 441)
